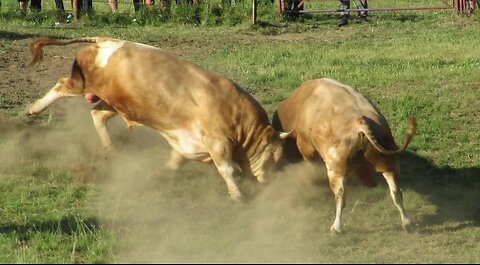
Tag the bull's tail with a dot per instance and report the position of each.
(36, 47)
(412, 126)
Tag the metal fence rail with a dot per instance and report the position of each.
(295, 7)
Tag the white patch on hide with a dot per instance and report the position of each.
(188, 142)
(105, 50)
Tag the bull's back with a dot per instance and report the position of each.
(340, 100)
(153, 87)
(325, 100)
(312, 103)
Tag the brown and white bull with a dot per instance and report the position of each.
(202, 115)
(336, 123)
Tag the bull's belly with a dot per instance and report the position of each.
(188, 143)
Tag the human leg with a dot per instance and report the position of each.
(148, 4)
(59, 6)
(35, 5)
(362, 5)
(22, 5)
(136, 5)
(344, 4)
(113, 5)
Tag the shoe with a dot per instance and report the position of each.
(69, 18)
(364, 20)
(343, 22)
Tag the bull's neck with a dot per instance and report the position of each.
(255, 143)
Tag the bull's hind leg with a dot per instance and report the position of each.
(337, 185)
(397, 196)
(336, 163)
(62, 88)
(101, 113)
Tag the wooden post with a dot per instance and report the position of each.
(254, 12)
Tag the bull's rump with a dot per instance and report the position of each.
(325, 107)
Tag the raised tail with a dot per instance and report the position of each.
(412, 126)
(36, 47)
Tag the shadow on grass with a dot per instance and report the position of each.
(8, 35)
(455, 192)
(66, 225)
(13, 36)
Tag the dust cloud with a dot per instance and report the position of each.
(186, 218)
(190, 219)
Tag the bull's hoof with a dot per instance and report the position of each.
(261, 180)
(104, 154)
(407, 224)
(109, 148)
(236, 197)
(407, 227)
(335, 230)
(28, 112)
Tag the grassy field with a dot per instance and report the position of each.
(61, 201)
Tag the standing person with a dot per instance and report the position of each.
(83, 6)
(148, 4)
(113, 5)
(35, 5)
(136, 5)
(22, 5)
(60, 9)
(59, 6)
(345, 4)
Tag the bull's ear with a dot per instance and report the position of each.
(285, 135)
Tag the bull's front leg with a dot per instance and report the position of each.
(221, 152)
(60, 90)
(226, 169)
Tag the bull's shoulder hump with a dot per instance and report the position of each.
(106, 49)
(331, 85)
(142, 45)
(327, 86)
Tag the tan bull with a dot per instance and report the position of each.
(334, 122)
(202, 115)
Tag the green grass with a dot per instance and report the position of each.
(62, 202)
(43, 219)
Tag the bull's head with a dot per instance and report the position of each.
(272, 153)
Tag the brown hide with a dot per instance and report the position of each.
(203, 116)
(335, 123)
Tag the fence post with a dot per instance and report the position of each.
(254, 12)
